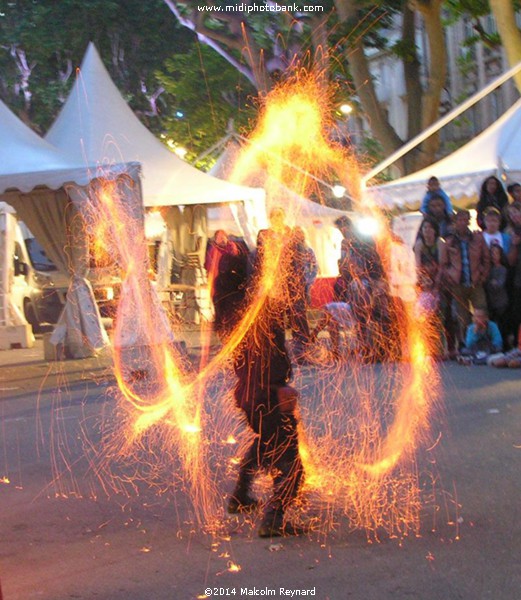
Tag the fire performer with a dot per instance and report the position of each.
(262, 392)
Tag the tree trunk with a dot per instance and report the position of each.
(431, 12)
(205, 37)
(319, 37)
(411, 70)
(503, 11)
(359, 69)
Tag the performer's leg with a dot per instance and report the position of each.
(241, 499)
(288, 474)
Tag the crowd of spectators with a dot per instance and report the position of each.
(470, 281)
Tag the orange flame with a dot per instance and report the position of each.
(356, 460)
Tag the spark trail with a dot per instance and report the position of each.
(362, 426)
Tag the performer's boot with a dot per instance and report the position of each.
(287, 480)
(241, 500)
(272, 524)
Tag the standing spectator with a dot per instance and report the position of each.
(356, 250)
(225, 264)
(466, 266)
(434, 189)
(427, 255)
(436, 209)
(308, 259)
(492, 194)
(496, 290)
(444, 222)
(513, 214)
(492, 235)
(427, 252)
(514, 189)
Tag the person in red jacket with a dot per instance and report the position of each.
(465, 268)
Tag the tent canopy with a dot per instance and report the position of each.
(96, 126)
(495, 151)
(27, 161)
(47, 189)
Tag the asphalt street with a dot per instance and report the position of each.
(71, 536)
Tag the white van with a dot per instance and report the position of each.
(36, 287)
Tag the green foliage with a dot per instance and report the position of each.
(372, 153)
(404, 51)
(466, 63)
(455, 9)
(209, 92)
(129, 34)
(474, 10)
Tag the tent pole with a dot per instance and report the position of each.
(440, 123)
(217, 146)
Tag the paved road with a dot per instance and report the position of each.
(71, 538)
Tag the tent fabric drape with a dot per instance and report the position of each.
(48, 214)
(79, 327)
(187, 226)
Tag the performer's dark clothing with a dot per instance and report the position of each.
(262, 367)
(364, 254)
(297, 309)
(292, 269)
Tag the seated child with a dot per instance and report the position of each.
(482, 339)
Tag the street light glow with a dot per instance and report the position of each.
(338, 191)
(180, 151)
(367, 226)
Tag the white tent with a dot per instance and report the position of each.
(97, 126)
(47, 189)
(28, 161)
(495, 151)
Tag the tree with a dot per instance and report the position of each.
(41, 41)
(250, 41)
(260, 44)
(504, 13)
(208, 93)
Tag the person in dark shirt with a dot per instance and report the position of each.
(465, 264)
(436, 209)
(434, 189)
(226, 265)
(492, 194)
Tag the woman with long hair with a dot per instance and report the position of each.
(492, 194)
(427, 251)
